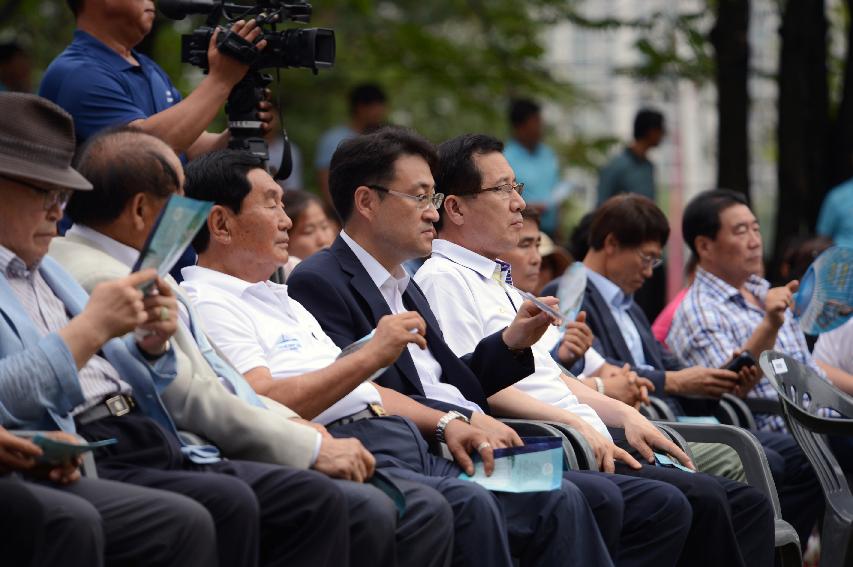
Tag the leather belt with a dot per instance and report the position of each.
(372, 410)
(113, 406)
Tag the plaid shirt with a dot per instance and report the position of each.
(715, 319)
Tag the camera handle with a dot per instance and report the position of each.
(243, 122)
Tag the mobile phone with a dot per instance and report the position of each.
(741, 361)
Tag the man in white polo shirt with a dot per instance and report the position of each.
(285, 355)
(470, 291)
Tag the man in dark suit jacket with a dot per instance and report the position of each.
(626, 239)
(383, 189)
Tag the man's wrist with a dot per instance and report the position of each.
(443, 422)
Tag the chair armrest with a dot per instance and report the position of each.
(87, 467)
(530, 428)
(675, 437)
(745, 417)
(662, 408)
(726, 414)
(763, 405)
(582, 450)
(746, 446)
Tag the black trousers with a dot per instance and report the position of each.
(93, 522)
(733, 523)
(540, 528)
(263, 514)
(800, 495)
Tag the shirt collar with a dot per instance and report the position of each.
(375, 270)
(612, 293)
(109, 55)
(464, 257)
(12, 266)
(125, 254)
(717, 286)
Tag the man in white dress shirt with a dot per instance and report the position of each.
(285, 355)
(469, 289)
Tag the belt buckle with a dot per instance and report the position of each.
(377, 410)
(118, 405)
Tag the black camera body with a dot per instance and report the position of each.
(307, 48)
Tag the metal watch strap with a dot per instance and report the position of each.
(445, 419)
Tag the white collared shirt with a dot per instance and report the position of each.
(470, 305)
(835, 348)
(392, 287)
(259, 325)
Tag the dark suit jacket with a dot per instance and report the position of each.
(337, 290)
(615, 350)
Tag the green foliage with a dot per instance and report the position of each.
(449, 66)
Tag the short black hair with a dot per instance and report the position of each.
(75, 5)
(646, 120)
(521, 109)
(533, 215)
(119, 163)
(631, 218)
(297, 201)
(579, 238)
(702, 215)
(366, 94)
(370, 160)
(457, 174)
(222, 177)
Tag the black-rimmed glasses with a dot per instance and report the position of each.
(423, 201)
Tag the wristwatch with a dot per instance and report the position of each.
(445, 419)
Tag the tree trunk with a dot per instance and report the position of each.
(731, 45)
(803, 120)
(842, 128)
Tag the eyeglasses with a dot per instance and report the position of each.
(52, 197)
(649, 261)
(504, 190)
(423, 201)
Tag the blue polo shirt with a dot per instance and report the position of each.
(540, 173)
(99, 89)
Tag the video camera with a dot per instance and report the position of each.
(309, 48)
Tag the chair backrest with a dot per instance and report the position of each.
(803, 393)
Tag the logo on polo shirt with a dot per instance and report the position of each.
(288, 343)
(170, 98)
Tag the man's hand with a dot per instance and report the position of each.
(529, 324)
(393, 334)
(645, 438)
(345, 458)
(700, 381)
(63, 473)
(576, 340)
(225, 69)
(116, 307)
(777, 301)
(17, 453)
(748, 377)
(463, 439)
(500, 434)
(161, 310)
(315, 426)
(625, 385)
(606, 452)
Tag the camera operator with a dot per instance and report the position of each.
(102, 81)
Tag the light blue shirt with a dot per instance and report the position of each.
(619, 303)
(836, 215)
(540, 173)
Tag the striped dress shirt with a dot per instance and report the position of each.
(715, 319)
(98, 378)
